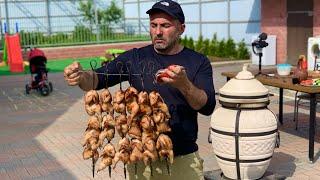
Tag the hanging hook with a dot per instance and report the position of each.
(151, 68)
(106, 74)
(93, 64)
(119, 66)
(128, 66)
(143, 67)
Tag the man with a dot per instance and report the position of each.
(187, 90)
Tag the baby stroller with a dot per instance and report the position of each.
(37, 64)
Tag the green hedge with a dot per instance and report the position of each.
(225, 49)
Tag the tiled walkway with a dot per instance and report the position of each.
(40, 136)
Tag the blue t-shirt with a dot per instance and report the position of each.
(146, 61)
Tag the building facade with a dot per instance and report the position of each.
(293, 22)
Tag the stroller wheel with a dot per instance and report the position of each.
(45, 90)
(28, 89)
(50, 86)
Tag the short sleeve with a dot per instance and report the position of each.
(204, 81)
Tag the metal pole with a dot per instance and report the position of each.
(312, 126)
(228, 18)
(1, 31)
(7, 15)
(48, 17)
(200, 17)
(96, 19)
(139, 17)
(281, 105)
(124, 16)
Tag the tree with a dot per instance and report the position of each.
(184, 41)
(190, 43)
(242, 51)
(230, 48)
(199, 43)
(221, 49)
(112, 14)
(87, 11)
(213, 45)
(205, 47)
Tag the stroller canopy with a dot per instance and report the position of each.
(37, 60)
(35, 55)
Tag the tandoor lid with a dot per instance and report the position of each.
(244, 89)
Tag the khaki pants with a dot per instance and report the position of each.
(184, 167)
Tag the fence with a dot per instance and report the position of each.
(80, 35)
(44, 23)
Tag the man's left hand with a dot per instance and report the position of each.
(176, 77)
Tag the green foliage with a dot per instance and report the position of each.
(221, 50)
(242, 51)
(82, 34)
(230, 48)
(190, 43)
(215, 48)
(105, 32)
(87, 11)
(59, 38)
(205, 47)
(184, 41)
(199, 44)
(32, 38)
(112, 14)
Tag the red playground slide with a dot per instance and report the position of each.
(15, 60)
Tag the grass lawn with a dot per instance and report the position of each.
(55, 66)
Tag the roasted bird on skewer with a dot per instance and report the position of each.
(124, 152)
(135, 130)
(122, 125)
(119, 102)
(137, 151)
(106, 101)
(108, 129)
(157, 103)
(147, 124)
(144, 103)
(107, 156)
(91, 101)
(164, 147)
(131, 99)
(162, 124)
(93, 123)
(89, 153)
(150, 152)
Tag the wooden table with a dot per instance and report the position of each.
(286, 83)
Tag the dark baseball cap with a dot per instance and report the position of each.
(170, 7)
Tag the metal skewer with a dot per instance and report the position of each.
(151, 171)
(125, 171)
(168, 168)
(114, 74)
(93, 166)
(135, 168)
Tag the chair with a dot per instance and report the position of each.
(298, 97)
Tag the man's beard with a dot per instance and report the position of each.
(163, 47)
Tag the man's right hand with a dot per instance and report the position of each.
(72, 73)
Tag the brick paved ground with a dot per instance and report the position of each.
(40, 136)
